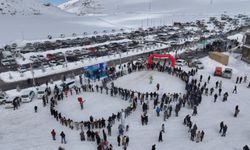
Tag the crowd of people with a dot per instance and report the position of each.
(163, 103)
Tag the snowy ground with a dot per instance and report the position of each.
(23, 129)
(94, 103)
(137, 80)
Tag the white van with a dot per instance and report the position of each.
(181, 62)
(27, 96)
(41, 92)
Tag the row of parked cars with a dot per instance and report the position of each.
(226, 73)
(195, 63)
(24, 96)
(58, 58)
(67, 43)
(28, 95)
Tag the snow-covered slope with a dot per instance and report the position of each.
(25, 7)
(159, 6)
(81, 6)
(116, 14)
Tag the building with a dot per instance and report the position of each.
(219, 57)
(246, 48)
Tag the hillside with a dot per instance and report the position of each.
(153, 6)
(25, 7)
(112, 14)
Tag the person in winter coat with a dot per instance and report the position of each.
(104, 135)
(160, 137)
(53, 133)
(208, 79)
(119, 140)
(225, 96)
(153, 147)
(235, 89)
(82, 136)
(215, 97)
(246, 147)
(157, 86)
(127, 128)
(240, 80)
(193, 133)
(221, 126)
(109, 129)
(165, 115)
(220, 90)
(224, 130)
(158, 110)
(202, 135)
(127, 140)
(163, 128)
(35, 108)
(245, 79)
(236, 112)
(63, 138)
(201, 78)
(60, 148)
(194, 111)
(198, 136)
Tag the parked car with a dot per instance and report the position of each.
(41, 57)
(197, 64)
(41, 92)
(22, 68)
(180, 62)
(7, 62)
(227, 73)
(53, 63)
(77, 52)
(27, 96)
(69, 53)
(33, 58)
(45, 65)
(71, 58)
(51, 56)
(218, 71)
(59, 54)
(3, 98)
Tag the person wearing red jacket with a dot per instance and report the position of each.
(53, 133)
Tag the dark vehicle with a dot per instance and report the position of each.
(71, 58)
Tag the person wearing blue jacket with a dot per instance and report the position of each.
(158, 110)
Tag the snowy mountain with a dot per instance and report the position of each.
(25, 7)
(156, 6)
(81, 7)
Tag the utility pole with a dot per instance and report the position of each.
(66, 61)
(33, 76)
